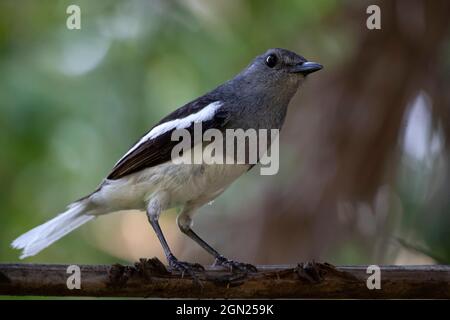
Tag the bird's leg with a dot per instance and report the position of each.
(184, 223)
(153, 211)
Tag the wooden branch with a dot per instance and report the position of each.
(149, 278)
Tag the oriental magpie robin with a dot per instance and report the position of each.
(146, 178)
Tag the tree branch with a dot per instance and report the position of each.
(149, 278)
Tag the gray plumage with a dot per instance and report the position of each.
(146, 179)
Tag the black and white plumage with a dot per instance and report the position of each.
(145, 178)
(156, 146)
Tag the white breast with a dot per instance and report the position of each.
(199, 183)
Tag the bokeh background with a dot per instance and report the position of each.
(364, 174)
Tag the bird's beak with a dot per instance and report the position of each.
(306, 68)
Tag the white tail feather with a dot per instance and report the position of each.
(44, 235)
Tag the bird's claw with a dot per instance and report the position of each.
(185, 267)
(235, 265)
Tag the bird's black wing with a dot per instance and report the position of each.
(158, 150)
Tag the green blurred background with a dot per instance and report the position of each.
(364, 174)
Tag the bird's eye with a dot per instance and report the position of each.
(271, 60)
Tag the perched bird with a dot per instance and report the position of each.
(145, 178)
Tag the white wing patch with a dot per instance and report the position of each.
(205, 114)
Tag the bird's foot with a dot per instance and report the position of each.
(185, 267)
(234, 266)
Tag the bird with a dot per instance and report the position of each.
(147, 179)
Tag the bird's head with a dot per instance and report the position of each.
(278, 70)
